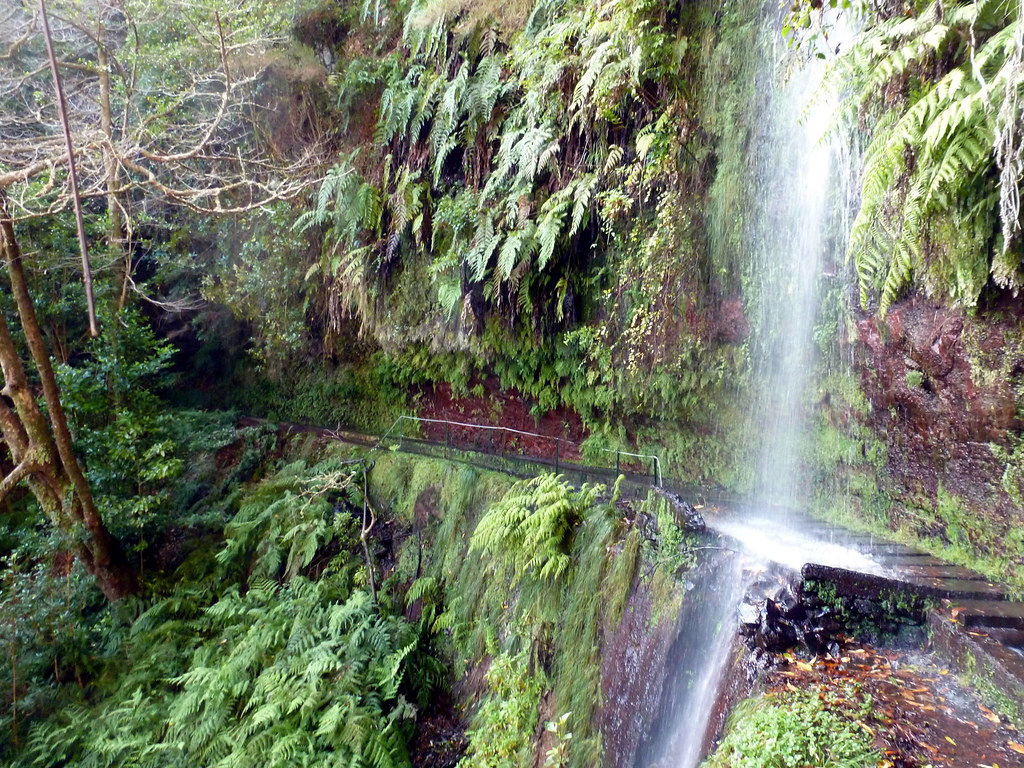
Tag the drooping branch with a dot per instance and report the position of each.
(195, 143)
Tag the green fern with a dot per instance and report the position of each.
(934, 158)
(531, 529)
(278, 674)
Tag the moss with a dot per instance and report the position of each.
(914, 379)
(549, 631)
(980, 678)
(619, 580)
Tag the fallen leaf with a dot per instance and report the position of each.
(991, 716)
(1018, 748)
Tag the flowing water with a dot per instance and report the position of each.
(792, 168)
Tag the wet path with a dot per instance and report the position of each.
(921, 714)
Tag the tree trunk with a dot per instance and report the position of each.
(43, 452)
(62, 112)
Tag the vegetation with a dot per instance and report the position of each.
(794, 730)
(320, 211)
(941, 188)
(321, 673)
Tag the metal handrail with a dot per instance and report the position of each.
(558, 440)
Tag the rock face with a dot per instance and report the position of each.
(782, 611)
(944, 387)
(633, 675)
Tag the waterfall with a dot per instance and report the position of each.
(791, 194)
(700, 654)
(794, 165)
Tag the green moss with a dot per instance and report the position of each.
(550, 630)
(979, 677)
(951, 529)
(619, 579)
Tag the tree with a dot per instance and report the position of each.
(164, 108)
(41, 446)
(163, 111)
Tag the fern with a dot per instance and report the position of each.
(521, 120)
(948, 128)
(303, 671)
(531, 529)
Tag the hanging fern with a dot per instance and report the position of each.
(935, 157)
(531, 529)
(517, 117)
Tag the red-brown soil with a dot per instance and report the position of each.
(502, 408)
(943, 387)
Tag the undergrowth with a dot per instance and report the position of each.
(795, 730)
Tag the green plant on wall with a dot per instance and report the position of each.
(531, 530)
(941, 172)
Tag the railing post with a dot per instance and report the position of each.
(557, 442)
(618, 462)
(447, 440)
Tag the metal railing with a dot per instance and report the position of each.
(559, 442)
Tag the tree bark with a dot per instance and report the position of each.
(116, 236)
(58, 481)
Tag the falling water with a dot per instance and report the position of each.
(702, 649)
(794, 166)
(791, 193)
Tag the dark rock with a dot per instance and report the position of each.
(868, 608)
(685, 514)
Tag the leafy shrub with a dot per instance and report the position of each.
(795, 731)
(51, 636)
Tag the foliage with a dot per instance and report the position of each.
(140, 455)
(793, 731)
(51, 637)
(486, 111)
(124, 433)
(531, 529)
(932, 192)
(524, 174)
(501, 732)
(218, 674)
(307, 668)
(288, 518)
(552, 628)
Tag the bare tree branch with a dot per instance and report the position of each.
(83, 245)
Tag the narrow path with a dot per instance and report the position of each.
(974, 621)
(920, 715)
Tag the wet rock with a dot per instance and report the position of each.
(868, 608)
(943, 386)
(750, 618)
(685, 514)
